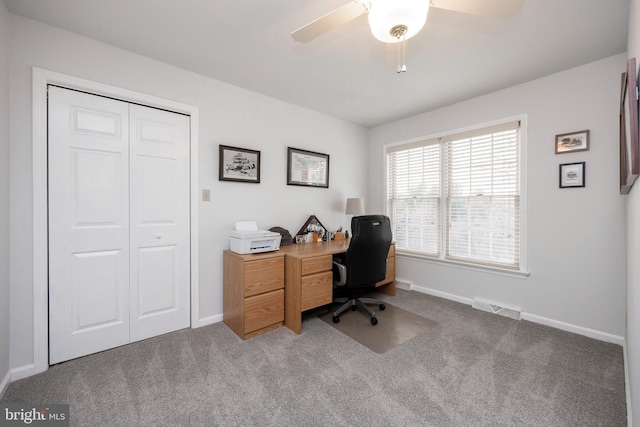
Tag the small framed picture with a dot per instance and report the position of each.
(572, 142)
(572, 175)
(239, 164)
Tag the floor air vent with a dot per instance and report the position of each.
(492, 307)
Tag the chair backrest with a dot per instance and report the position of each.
(366, 257)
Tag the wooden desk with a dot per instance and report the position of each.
(309, 278)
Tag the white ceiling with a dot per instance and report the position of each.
(344, 73)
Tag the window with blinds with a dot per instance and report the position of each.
(458, 197)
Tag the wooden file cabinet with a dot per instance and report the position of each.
(253, 292)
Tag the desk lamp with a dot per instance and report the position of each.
(355, 207)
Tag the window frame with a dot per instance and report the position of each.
(442, 259)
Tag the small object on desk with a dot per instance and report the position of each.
(247, 239)
(286, 236)
(339, 236)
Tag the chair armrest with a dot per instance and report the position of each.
(342, 271)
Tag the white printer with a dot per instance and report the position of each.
(247, 239)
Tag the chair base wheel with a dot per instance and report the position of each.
(382, 307)
(336, 319)
(374, 321)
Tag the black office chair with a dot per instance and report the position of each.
(364, 264)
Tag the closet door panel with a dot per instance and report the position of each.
(88, 224)
(160, 212)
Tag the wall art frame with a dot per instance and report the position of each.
(307, 168)
(572, 175)
(239, 164)
(629, 143)
(572, 142)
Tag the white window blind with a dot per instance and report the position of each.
(479, 197)
(414, 197)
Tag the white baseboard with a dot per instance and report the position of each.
(5, 384)
(23, 372)
(216, 318)
(445, 295)
(580, 330)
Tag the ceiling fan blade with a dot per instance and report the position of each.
(501, 9)
(329, 21)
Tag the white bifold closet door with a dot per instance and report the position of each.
(118, 223)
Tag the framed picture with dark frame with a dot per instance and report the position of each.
(572, 142)
(629, 142)
(307, 168)
(572, 175)
(239, 164)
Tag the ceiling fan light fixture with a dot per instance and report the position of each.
(386, 16)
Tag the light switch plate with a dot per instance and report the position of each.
(206, 195)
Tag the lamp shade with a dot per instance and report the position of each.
(355, 206)
(384, 15)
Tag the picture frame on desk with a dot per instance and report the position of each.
(307, 168)
(239, 164)
(311, 231)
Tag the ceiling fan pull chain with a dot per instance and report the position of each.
(400, 31)
(404, 54)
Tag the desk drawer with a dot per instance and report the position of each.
(263, 310)
(316, 264)
(317, 290)
(263, 276)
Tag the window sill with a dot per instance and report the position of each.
(519, 274)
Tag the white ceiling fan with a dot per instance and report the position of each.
(395, 21)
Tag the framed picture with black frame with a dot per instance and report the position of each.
(307, 168)
(239, 164)
(572, 175)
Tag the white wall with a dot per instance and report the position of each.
(4, 197)
(576, 249)
(228, 115)
(633, 248)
